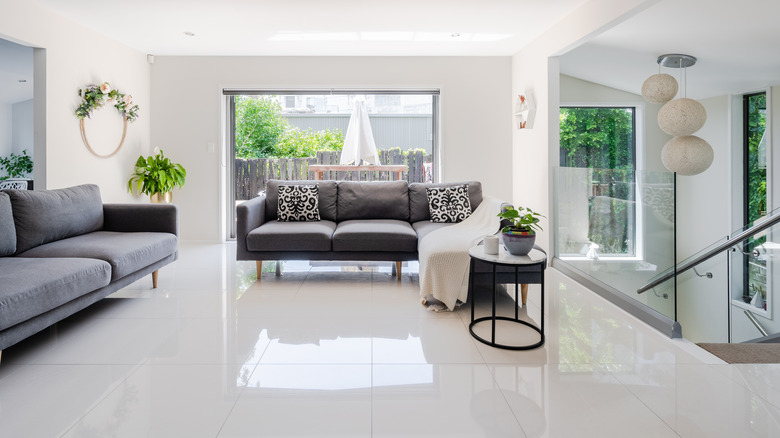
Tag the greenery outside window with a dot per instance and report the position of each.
(277, 134)
(603, 140)
(755, 194)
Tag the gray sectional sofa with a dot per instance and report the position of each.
(63, 250)
(363, 221)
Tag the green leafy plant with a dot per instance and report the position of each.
(521, 218)
(296, 143)
(17, 166)
(156, 174)
(259, 126)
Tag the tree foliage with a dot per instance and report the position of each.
(597, 138)
(602, 138)
(262, 132)
(259, 126)
(756, 125)
(299, 144)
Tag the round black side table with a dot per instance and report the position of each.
(527, 269)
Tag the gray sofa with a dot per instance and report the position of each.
(363, 221)
(63, 250)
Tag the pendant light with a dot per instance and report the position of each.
(685, 154)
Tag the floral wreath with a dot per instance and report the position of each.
(96, 96)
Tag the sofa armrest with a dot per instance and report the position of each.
(162, 218)
(249, 215)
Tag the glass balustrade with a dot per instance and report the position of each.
(617, 227)
(616, 230)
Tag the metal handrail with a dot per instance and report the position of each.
(717, 249)
(755, 322)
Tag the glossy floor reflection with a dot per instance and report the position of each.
(344, 351)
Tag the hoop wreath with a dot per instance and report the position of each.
(97, 96)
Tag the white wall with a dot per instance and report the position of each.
(476, 115)
(75, 57)
(22, 123)
(6, 129)
(535, 69)
(703, 217)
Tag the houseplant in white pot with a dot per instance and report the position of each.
(156, 176)
(520, 235)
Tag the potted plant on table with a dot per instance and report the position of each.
(156, 176)
(520, 235)
(17, 166)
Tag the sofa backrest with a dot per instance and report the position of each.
(48, 215)
(373, 200)
(418, 198)
(7, 229)
(326, 203)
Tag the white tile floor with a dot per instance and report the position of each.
(323, 353)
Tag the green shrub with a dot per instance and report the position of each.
(296, 143)
(259, 126)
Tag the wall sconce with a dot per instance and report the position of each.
(525, 110)
(685, 154)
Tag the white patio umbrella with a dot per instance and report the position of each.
(359, 140)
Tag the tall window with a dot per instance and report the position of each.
(755, 200)
(603, 139)
(277, 134)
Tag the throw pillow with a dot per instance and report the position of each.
(449, 204)
(299, 203)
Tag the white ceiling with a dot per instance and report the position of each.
(737, 45)
(319, 27)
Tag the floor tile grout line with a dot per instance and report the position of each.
(97, 403)
(238, 398)
(506, 400)
(612, 375)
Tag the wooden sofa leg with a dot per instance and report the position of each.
(155, 274)
(524, 293)
(259, 264)
(398, 270)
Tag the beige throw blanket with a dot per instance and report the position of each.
(444, 256)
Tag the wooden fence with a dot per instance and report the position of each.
(252, 175)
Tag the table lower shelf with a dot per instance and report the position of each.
(506, 347)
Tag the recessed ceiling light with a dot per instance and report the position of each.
(189, 33)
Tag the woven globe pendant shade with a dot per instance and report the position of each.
(687, 155)
(682, 117)
(659, 88)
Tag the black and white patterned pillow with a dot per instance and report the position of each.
(298, 203)
(449, 204)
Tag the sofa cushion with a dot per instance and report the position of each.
(373, 200)
(31, 287)
(418, 198)
(449, 204)
(291, 236)
(45, 216)
(298, 203)
(326, 202)
(125, 252)
(423, 228)
(375, 235)
(7, 229)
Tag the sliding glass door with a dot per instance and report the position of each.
(277, 134)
